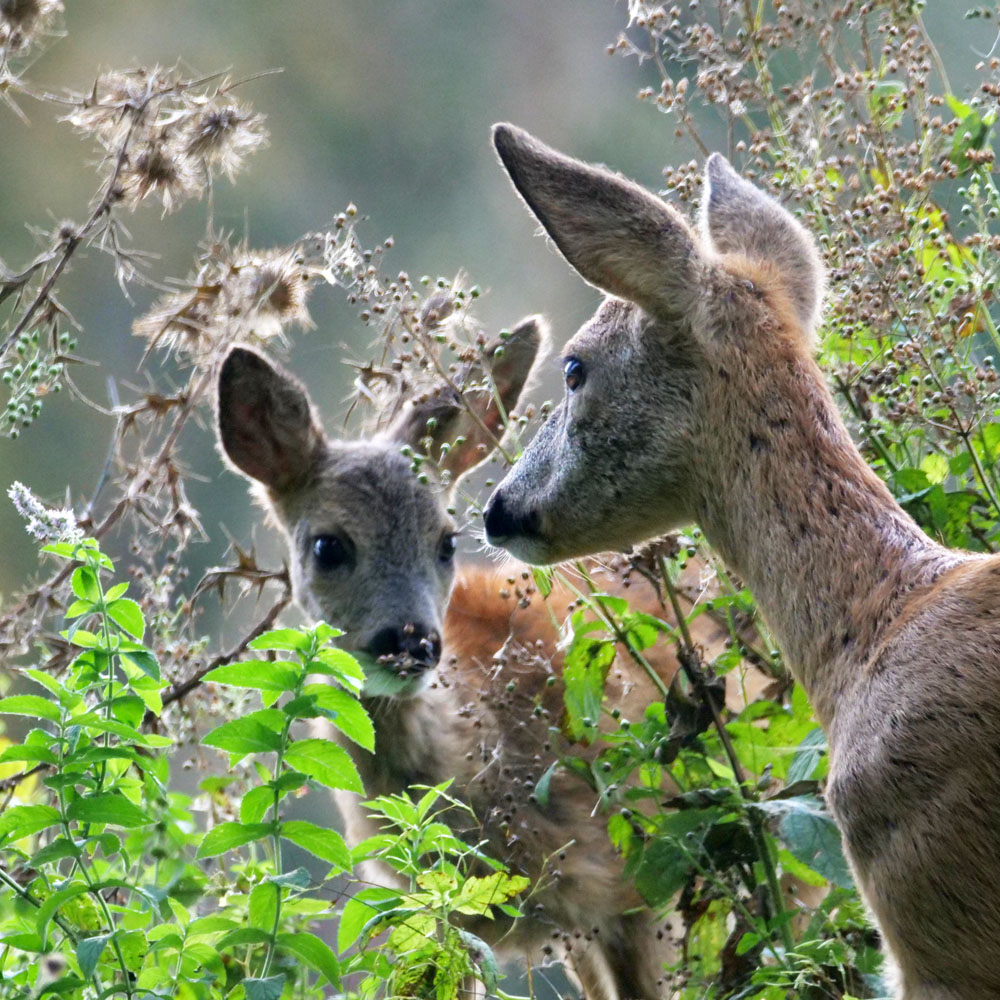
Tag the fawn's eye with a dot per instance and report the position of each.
(329, 552)
(447, 546)
(575, 373)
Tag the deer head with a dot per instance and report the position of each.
(370, 548)
(619, 460)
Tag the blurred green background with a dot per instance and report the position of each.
(384, 103)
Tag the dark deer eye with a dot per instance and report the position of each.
(447, 546)
(329, 552)
(575, 373)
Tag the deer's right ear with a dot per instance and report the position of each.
(267, 427)
(616, 234)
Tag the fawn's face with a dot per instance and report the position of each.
(617, 461)
(370, 548)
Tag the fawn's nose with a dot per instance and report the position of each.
(502, 523)
(417, 643)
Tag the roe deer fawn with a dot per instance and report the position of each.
(692, 396)
(371, 551)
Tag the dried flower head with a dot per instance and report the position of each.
(45, 523)
(22, 21)
(223, 136)
(159, 168)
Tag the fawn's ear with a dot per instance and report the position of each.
(490, 391)
(616, 234)
(737, 217)
(266, 423)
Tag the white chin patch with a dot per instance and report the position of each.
(382, 681)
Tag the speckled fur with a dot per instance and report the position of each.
(472, 719)
(896, 639)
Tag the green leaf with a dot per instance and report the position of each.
(324, 843)
(93, 721)
(316, 953)
(543, 579)
(359, 911)
(477, 895)
(110, 808)
(261, 675)
(65, 697)
(325, 762)
(85, 585)
(262, 905)
(226, 836)
(810, 834)
(115, 592)
(339, 664)
(282, 638)
(51, 905)
(264, 989)
(255, 804)
(807, 757)
(144, 660)
(55, 851)
(126, 613)
(254, 733)
(89, 951)
(242, 935)
(299, 878)
(30, 704)
(350, 718)
(584, 673)
(21, 821)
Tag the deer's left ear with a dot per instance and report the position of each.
(490, 391)
(737, 217)
(616, 234)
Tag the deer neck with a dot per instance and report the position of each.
(791, 505)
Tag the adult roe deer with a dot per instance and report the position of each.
(692, 395)
(371, 550)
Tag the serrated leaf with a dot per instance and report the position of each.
(324, 843)
(281, 638)
(261, 675)
(325, 762)
(30, 704)
(359, 911)
(93, 721)
(477, 895)
(21, 821)
(255, 804)
(89, 951)
(126, 613)
(315, 952)
(116, 591)
(262, 905)
(54, 851)
(144, 660)
(251, 734)
(808, 831)
(297, 879)
(109, 808)
(226, 836)
(264, 989)
(242, 935)
(65, 697)
(351, 718)
(340, 664)
(85, 585)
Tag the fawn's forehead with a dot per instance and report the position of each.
(369, 490)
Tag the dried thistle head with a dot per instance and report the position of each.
(23, 21)
(160, 168)
(222, 136)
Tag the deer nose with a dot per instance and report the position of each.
(501, 523)
(415, 642)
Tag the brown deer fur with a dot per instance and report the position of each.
(721, 416)
(472, 717)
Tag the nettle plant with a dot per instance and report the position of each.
(113, 889)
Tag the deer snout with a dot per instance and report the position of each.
(502, 523)
(418, 645)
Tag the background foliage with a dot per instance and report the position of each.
(872, 120)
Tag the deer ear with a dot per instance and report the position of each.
(266, 424)
(737, 217)
(491, 390)
(616, 234)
